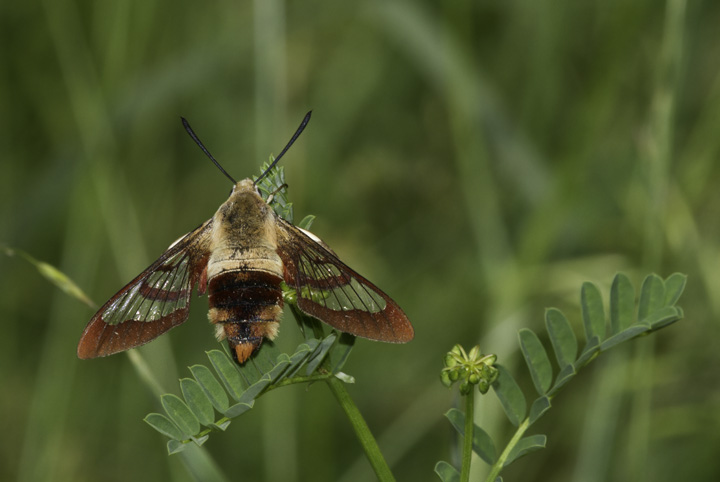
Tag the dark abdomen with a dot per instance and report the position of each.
(247, 305)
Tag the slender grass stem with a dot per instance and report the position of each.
(145, 373)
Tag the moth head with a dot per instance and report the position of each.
(245, 186)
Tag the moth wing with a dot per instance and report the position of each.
(155, 301)
(332, 292)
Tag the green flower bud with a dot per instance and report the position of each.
(483, 386)
(489, 373)
(474, 353)
(474, 378)
(445, 378)
(450, 360)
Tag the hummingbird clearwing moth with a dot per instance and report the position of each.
(240, 257)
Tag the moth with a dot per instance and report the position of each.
(240, 257)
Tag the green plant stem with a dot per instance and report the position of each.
(498, 465)
(468, 437)
(362, 431)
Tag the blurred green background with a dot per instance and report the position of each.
(478, 160)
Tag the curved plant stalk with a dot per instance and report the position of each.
(362, 431)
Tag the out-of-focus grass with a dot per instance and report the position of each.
(477, 160)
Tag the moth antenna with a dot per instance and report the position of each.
(292, 140)
(192, 134)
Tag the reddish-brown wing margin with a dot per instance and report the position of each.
(155, 301)
(335, 294)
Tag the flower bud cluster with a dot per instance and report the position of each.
(469, 369)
